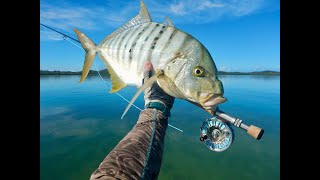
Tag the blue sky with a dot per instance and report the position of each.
(241, 35)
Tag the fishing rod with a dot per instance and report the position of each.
(64, 35)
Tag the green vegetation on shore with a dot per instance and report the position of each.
(105, 73)
(250, 73)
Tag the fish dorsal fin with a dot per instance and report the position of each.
(144, 13)
(139, 19)
(117, 83)
(168, 22)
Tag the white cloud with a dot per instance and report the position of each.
(244, 7)
(190, 7)
(178, 9)
(208, 4)
(64, 17)
(204, 11)
(113, 14)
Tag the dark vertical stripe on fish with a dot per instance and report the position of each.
(125, 40)
(109, 46)
(161, 32)
(154, 43)
(146, 37)
(134, 42)
(137, 40)
(121, 42)
(113, 46)
(118, 44)
(167, 43)
(129, 43)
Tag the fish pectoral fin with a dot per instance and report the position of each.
(146, 84)
(168, 22)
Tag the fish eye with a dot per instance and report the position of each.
(198, 71)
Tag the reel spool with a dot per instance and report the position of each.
(216, 134)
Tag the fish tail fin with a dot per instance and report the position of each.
(91, 52)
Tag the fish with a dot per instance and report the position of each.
(183, 67)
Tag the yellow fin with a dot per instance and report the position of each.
(117, 83)
(89, 47)
(144, 12)
(146, 84)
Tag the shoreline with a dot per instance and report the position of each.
(106, 73)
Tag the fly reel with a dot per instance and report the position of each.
(216, 134)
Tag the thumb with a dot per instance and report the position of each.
(147, 72)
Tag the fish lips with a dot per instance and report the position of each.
(213, 100)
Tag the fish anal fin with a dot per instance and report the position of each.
(117, 83)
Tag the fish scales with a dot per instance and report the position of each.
(141, 45)
(129, 50)
(124, 50)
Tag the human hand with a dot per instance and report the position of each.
(155, 93)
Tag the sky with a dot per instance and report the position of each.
(241, 35)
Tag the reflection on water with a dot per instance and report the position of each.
(80, 123)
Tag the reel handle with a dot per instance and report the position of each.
(253, 131)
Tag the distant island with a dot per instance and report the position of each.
(105, 73)
(267, 72)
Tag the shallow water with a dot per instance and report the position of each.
(80, 124)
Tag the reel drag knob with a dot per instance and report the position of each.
(216, 134)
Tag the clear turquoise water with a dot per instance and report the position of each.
(80, 124)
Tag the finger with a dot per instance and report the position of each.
(147, 73)
(148, 65)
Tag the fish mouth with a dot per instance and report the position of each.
(210, 100)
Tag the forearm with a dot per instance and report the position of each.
(139, 154)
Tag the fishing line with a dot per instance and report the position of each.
(66, 37)
(58, 38)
